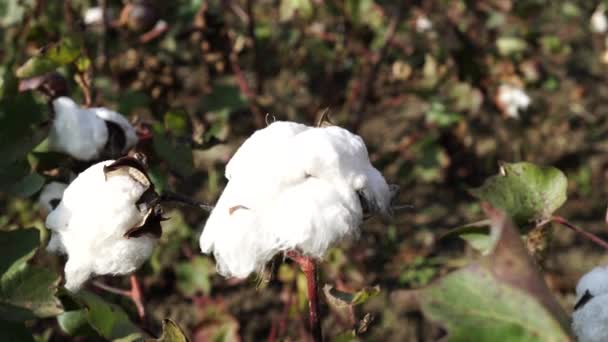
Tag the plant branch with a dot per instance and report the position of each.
(309, 267)
(169, 196)
(134, 294)
(594, 238)
(368, 78)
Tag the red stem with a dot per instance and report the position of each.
(594, 238)
(309, 267)
(137, 297)
(134, 294)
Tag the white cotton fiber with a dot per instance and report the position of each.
(76, 131)
(82, 132)
(590, 320)
(513, 99)
(122, 122)
(90, 223)
(51, 194)
(291, 187)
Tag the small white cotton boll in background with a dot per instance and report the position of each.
(83, 133)
(122, 122)
(93, 16)
(92, 222)
(291, 188)
(598, 21)
(51, 195)
(512, 100)
(423, 24)
(590, 316)
(76, 131)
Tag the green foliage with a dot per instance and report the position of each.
(98, 317)
(26, 292)
(528, 193)
(194, 275)
(176, 154)
(341, 298)
(502, 296)
(64, 52)
(171, 332)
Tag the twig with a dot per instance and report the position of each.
(278, 328)
(169, 196)
(134, 294)
(594, 238)
(368, 80)
(259, 76)
(258, 117)
(309, 267)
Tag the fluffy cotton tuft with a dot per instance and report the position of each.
(599, 22)
(51, 195)
(291, 187)
(82, 132)
(513, 99)
(90, 223)
(590, 318)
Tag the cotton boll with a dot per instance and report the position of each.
(92, 224)
(291, 187)
(599, 22)
(76, 131)
(126, 127)
(512, 99)
(590, 317)
(51, 195)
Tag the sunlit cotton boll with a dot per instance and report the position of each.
(83, 132)
(513, 99)
(599, 22)
(105, 223)
(292, 187)
(51, 195)
(590, 317)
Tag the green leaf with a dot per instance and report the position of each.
(11, 331)
(502, 297)
(171, 333)
(528, 193)
(27, 186)
(177, 155)
(108, 320)
(22, 127)
(28, 293)
(17, 246)
(225, 96)
(64, 52)
(341, 298)
(474, 306)
(193, 275)
(176, 122)
(289, 8)
(508, 46)
(75, 323)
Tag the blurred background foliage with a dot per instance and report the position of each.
(418, 80)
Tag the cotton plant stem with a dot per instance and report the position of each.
(135, 294)
(309, 267)
(594, 238)
(168, 196)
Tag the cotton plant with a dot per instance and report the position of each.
(297, 190)
(590, 317)
(107, 222)
(86, 134)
